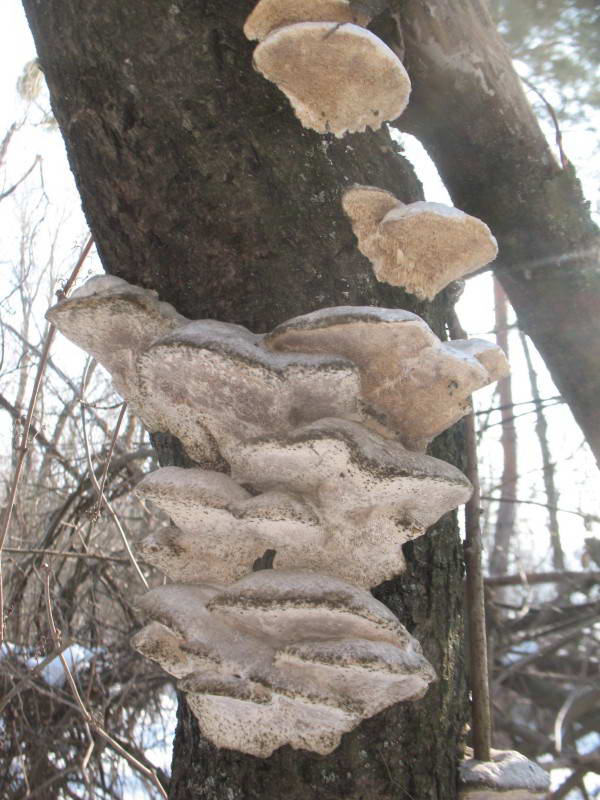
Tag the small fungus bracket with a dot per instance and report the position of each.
(339, 77)
(420, 246)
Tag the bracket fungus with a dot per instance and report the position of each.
(216, 383)
(319, 480)
(420, 246)
(299, 656)
(271, 14)
(508, 776)
(417, 385)
(336, 498)
(339, 77)
(113, 321)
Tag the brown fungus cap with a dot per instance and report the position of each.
(339, 78)
(271, 14)
(415, 383)
(421, 246)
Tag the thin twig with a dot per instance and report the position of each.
(583, 514)
(85, 713)
(37, 670)
(66, 554)
(24, 443)
(111, 449)
(549, 468)
(564, 161)
(39, 436)
(475, 591)
(543, 577)
(539, 402)
(103, 500)
(21, 179)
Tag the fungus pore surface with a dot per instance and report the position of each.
(421, 246)
(301, 656)
(339, 78)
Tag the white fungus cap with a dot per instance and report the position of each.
(300, 657)
(508, 776)
(421, 246)
(335, 497)
(113, 321)
(415, 384)
(339, 78)
(271, 14)
(216, 383)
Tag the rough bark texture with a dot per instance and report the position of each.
(198, 181)
(469, 110)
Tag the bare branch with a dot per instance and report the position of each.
(89, 718)
(24, 443)
(103, 500)
(23, 177)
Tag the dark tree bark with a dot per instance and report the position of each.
(198, 181)
(469, 110)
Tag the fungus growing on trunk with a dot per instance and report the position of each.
(508, 776)
(271, 14)
(113, 321)
(300, 657)
(339, 77)
(318, 480)
(417, 385)
(421, 246)
(336, 498)
(216, 382)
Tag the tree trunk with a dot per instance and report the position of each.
(468, 109)
(198, 181)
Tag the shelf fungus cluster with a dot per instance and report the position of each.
(508, 776)
(420, 246)
(310, 446)
(281, 657)
(338, 76)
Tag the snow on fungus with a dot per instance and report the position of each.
(421, 246)
(336, 497)
(339, 78)
(413, 383)
(508, 776)
(113, 321)
(271, 14)
(216, 384)
(345, 469)
(301, 657)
